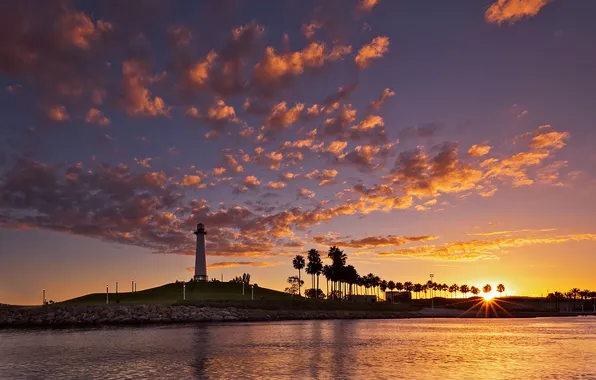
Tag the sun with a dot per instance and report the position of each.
(488, 296)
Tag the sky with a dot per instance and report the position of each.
(443, 137)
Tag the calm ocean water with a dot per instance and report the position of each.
(370, 349)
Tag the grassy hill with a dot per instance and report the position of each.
(172, 293)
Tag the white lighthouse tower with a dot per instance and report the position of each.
(200, 260)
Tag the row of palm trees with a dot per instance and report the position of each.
(345, 280)
(572, 294)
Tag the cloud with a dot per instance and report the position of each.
(372, 241)
(511, 232)
(229, 264)
(233, 164)
(378, 103)
(326, 176)
(482, 249)
(479, 150)
(275, 68)
(305, 193)
(308, 30)
(251, 181)
(511, 11)
(376, 49)
(136, 99)
(58, 113)
(276, 185)
(281, 117)
(366, 5)
(95, 116)
(425, 130)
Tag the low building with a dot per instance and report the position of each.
(363, 298)
(398, 297)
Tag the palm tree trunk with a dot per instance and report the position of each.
(299, 283)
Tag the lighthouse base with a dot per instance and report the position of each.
(199, 277)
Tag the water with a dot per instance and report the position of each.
(369, 349)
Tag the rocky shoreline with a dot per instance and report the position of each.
(56, 316)
(79, 316)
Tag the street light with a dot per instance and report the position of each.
(432, 300)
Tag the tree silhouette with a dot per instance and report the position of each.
(417, 289)
(391, 285)
(453, 289)
(464, 289)
(295, 284)
(474, 290)
(314, 267)
(500, 289)
(487, 288)
(298, 263)
(399, 286)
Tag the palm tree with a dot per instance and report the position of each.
(408, 286)
(445, 288)
(417, 289)
(487, 288)
(298, 263)
(314, 266)
(500, 289)
(464, 289)
(575, 292)
(453, 289)
(474, 290)
(383, 287)
(399, 286)
(327, 273)
(391, 285)
(584, 294)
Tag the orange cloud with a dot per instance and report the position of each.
(482, 249)
(378, 103)
(229, 264)
(58, 113)
(276, 185)
(78, 29)
(308, 30)
(136, 98)
(95, 116)
(372, 241)
(366, 5)
(479, 150)
(376, 49)
(512, 11)
(251, 181)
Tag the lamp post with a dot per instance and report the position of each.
(432, 300)
(252, 292)
(116, 287)
(184, 291)
(43, 300)
(107, 295)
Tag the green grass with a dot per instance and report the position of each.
(172, 293)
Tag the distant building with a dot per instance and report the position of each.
(398, 297)
(363, 298)
(200, 255)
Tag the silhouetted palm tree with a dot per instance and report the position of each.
(383, 287)
(430, 286)
(408, 286)
(500, 289)
(453, 289)
(464, 289)
(391, 285)
(298, 263)
(417, 289)
(314, 267)
(327, 273)
(399, 286)
(474, 290)
(575, 292)
(487, 288)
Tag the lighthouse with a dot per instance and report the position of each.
(200, 260)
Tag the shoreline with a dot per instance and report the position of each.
(114, 315)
